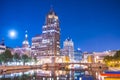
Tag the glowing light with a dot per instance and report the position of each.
(12, 34)
(79, 49)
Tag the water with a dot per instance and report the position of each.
(38, 74)
(112, 72)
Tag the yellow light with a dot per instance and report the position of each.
(52, 16)
(110, 78)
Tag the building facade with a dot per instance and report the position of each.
(78, 55)
(96, 57)
(2, 46)
(48, 43)
(25, 43)
(88, 57)
(25, 49)
(99, 56)
(36, 46)
(68, 49)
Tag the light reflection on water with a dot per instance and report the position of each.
(39, 74)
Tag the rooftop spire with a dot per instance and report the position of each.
(2, 42)
(26, 35)
(68, 39)
(25, 42)
(51, 7)
(51, 10)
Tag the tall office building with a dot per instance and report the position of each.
(68, 48)
(48, 43)
(37, 46)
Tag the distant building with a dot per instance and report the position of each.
(78, 55)
(25, 49)
(2, 46)
(88, 57)
(68, 49)
(36, 45)
(99, 56)
(48, 43)
(96, 57)
(25, 43)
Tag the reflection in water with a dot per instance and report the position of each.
(39, 74)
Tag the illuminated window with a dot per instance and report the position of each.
(58, 42)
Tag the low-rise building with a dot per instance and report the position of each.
(2, 46)
(25, 49)
(99, 56)
(88, 57)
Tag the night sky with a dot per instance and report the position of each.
(93, 25)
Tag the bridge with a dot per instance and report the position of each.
(89, 65)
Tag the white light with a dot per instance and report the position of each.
(12, 34)
(26, 35)
(79, 49)
(80, 78)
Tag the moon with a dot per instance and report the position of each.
(12, 34)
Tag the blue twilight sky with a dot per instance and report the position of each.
(93, 25)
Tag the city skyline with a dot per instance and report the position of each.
(92, 25)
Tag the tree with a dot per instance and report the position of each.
(108, 59)
(117, 55)
(25, 58)
(16, 57)
(2, 58)
(117, 58)
(8, 56)
(35, 59)
(113, 60)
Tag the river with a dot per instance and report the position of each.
(39, 74)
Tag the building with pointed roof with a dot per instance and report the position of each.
(48, 43)
(68, 48)
(25, 43)
(25, 49)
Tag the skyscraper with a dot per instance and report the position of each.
(68, 48)
(51, 33)
(49, 43)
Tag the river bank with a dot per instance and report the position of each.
(9, 68)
